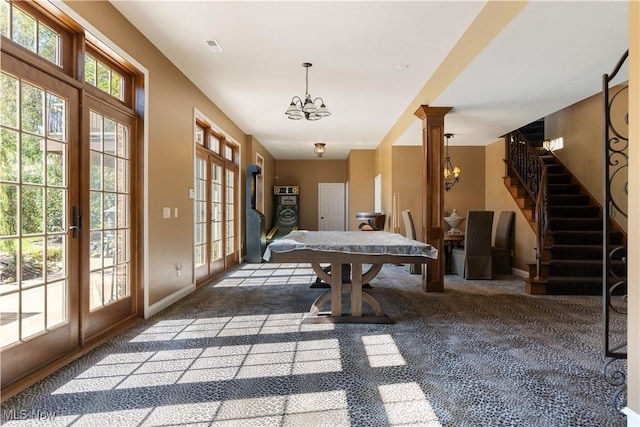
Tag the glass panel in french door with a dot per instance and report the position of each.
(109, 199)
(200, 220)
(38, 252)
(108, 209)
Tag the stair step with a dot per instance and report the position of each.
(568, 199)
(590, 252)
(584, 268)
(559, 178)
(585, 237)
(574, 212)
(564, 189)
(548, 159)
(555, 169)
(574, 285)
(558, 224)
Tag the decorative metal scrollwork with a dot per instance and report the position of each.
(614, 255)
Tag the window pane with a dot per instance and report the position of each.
(4, 18)
(109, 169)
(56, 264)
(32, 160)
(109, 136)
(55, 210)
(9, 211)
(95, 207)
(116, 88)
(214, 143)
(33, 303)
(95, 133)
(199, 136)
(9, 253)
(102, 76)
(32, 261)
(56, 303)
(56, 116)
(9, 307)
(48, 44)
(90, 70)
(95, 171)
(8, 155)
(123, 141)
(32, 109)
(56, 155)
(24, 29)
(32, 210)
(9, 110)
(122, 176)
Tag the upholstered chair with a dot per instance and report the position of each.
(503, 242)
(410, 232)
(474, 260)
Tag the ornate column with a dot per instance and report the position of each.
(433, 192)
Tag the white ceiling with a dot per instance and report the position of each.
(551, 55)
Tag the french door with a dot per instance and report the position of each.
(40, 276)
(66, 237)
(209, 224)
(215, 215)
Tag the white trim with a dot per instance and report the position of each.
(167, 301)
(633, 418)
(111, 45)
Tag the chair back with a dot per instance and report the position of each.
(504, 230)
(378, 222)
(409, 228)
(478, 232)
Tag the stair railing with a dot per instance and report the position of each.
(614, 283)
(524, 161)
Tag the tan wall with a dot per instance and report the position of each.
(268, 172)
(307, 174)
(499, 199)
(361, 175)
(407, 186)
(172, 99)
(633, 337)
(581, 127)
(469, 193)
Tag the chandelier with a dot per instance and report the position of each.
(319, 149)
(307, 108)
(451, 173)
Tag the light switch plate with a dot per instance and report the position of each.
(166, 212)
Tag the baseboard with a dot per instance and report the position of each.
(166, 302)
(633, 418)
(520, 273)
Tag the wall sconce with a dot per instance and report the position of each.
(553, 144)
(319, 149)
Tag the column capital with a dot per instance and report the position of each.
(425, 111)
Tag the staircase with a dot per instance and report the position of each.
(571, 257)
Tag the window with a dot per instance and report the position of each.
(103, 77)
(29, 32)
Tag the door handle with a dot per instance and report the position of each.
(76, 222)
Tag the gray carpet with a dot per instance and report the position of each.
(236, 354)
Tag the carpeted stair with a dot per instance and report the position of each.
(572, 256)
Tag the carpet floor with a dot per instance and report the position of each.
(235, 353)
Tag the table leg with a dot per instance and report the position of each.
(336, 290)
(356, 289)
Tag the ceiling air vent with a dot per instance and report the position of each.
(214, 46)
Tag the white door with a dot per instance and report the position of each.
(331, 206)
